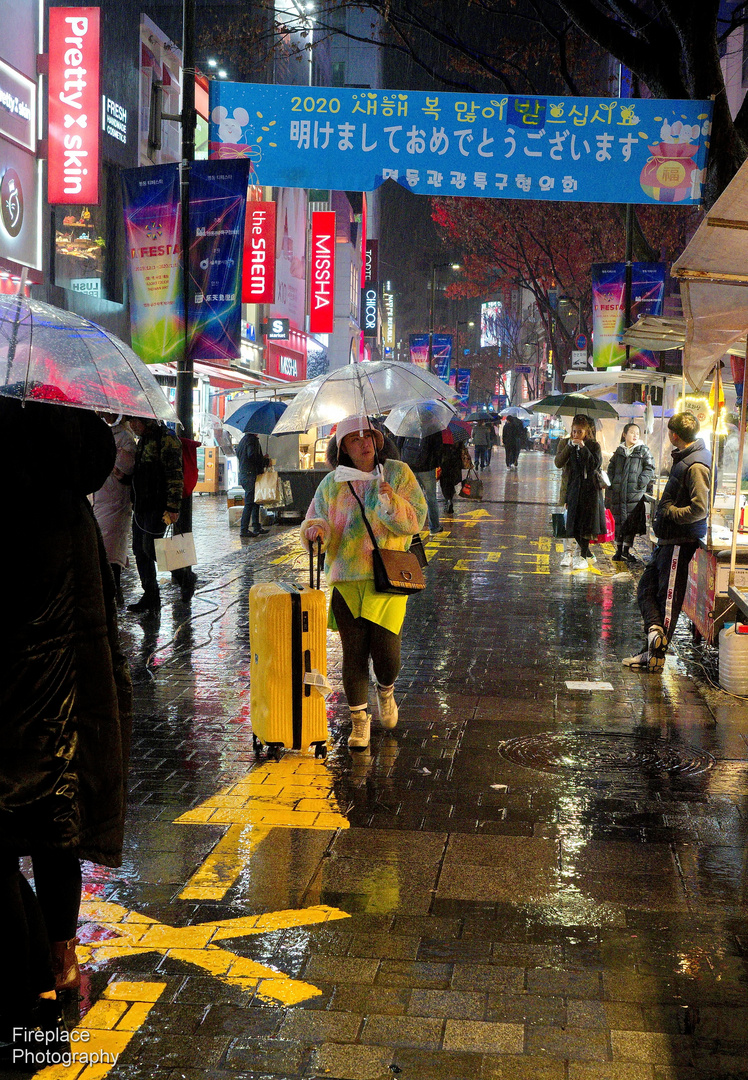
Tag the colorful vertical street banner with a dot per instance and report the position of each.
(462, 384)
(153, 235)
(322, 273)
(608, 308)
(218, 196)
(419, 349)
(647, 294)
(258, 267)
(501, 146)
(442, 352)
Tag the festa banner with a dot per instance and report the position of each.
(258, 266)
(322, 273)
(419, 349)
(608, 309)
(562, 149)
(462, 384)
(152, 230)
(442, 350)
(218, 196)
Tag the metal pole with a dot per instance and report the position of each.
(738, 485)
(189, 119)
(184, 406)
(431, 318)
(627, 279)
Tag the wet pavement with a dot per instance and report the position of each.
(524, 881)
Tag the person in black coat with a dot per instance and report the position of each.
(631, 470)
(65, 697)
(252, 462)
(585, 509)
(514, 439)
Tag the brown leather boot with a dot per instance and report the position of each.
(65, 965)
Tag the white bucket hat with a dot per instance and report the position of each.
(360, 424)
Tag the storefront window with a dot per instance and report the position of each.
(79, 249)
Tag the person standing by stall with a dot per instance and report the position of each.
(680, 521)
(369, 622)
(252, 463)
(631, 470)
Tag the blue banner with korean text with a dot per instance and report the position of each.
(218, 195)
(442, 350)
(563, 149)
(462, 384)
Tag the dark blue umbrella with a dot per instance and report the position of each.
(259, 417)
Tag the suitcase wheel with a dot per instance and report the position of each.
(256, 745)
(274, 750)
(320, 750)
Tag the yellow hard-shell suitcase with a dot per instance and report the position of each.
(288, 673)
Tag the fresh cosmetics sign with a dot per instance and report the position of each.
(258, 270)
(322, 298)
(74, 102)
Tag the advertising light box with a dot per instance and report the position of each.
(74, 104)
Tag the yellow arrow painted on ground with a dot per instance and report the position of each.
(293, 793)
(134, 933)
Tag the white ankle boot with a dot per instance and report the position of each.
(387, 707)
(360, 730)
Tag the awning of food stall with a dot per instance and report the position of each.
(713, 272)
(656, 332)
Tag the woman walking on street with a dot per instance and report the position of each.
(581, 459)
(369, 623)
(631, 470)
(481, 442)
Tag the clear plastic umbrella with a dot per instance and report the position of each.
(417, 419)
(370, 388)
(47, 354)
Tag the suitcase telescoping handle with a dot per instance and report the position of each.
(311, 564)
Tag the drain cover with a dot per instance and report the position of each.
(597, 751)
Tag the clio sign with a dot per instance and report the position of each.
(74, 100)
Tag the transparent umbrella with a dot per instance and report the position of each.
(417, 419)
(47, 354)
(366, 389)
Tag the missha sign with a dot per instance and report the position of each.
(74, 102)
(322, 290)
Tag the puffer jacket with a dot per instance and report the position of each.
(682, 510)
(64, 685)
(630, 475)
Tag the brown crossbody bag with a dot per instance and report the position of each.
(396, 572)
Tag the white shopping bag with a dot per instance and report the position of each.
(267, 487)
(174, 552)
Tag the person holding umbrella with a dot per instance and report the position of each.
(252, 462)
(65, 703)
(366, 480)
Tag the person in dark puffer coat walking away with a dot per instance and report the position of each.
(65, 703)
(631, 470)
(679, 523)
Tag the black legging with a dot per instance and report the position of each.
(584, 546)
(362, 639)
(31, 920)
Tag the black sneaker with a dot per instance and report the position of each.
(149, 601)
(187, 586)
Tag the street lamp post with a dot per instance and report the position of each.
(434, 268)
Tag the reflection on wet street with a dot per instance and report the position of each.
(525, 880)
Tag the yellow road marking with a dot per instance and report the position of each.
(133, 934)
(293, 793)
(104, 1032)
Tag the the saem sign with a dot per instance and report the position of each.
(322, 286)
(74, 102)
(258, 267)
